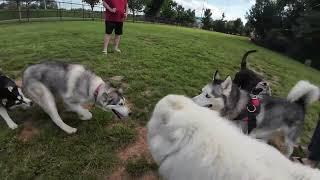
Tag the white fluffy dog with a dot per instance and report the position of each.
(192, 142)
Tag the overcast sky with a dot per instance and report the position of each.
(232, 8)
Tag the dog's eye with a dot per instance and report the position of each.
(121, 104)
(207, 96)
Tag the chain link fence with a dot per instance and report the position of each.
(48, 10)
(51, 10)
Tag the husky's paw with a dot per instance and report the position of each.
(13, 125)
(70, 130)
(86, 115)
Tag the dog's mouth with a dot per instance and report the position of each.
(117, 114)
(208, 106)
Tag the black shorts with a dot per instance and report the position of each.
(116, 26)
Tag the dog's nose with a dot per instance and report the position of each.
(31, 103)
(264, 84)
(130, 113)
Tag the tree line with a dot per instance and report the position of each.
(222, 25)
(288, 26)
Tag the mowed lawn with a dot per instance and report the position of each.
(157, 60)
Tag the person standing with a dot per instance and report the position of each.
(115, 14)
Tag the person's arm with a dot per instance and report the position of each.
(126, 11)
(113, 10)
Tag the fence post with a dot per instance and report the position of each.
(19, 11)
(82, 12)
(28, 12)
(60, 13)
(101, 10)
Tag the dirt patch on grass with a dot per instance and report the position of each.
(117, 78)
(147, 93)
(28, 132)
(139, 149)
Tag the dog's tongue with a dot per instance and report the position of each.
(255, 102)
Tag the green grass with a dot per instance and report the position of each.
(156, 60)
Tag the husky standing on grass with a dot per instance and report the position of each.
(75, 85)
(274, 114)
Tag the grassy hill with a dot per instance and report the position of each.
(157, 60)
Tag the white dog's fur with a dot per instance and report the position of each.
(193, 142)
(302, 88)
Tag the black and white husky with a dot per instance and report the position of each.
(75, 85)
(275, 114)
(11, 97)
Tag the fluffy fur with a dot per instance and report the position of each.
(304, 92)
(74, 85)
(192, 142)
(11, 97)
(276, 114)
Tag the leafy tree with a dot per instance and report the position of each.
(136, 6)
(220, 24)
(207, 20)
(92, 3)
(238, 26)
(153, 8)
(168, 9)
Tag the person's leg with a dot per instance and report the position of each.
(117, 37)
(116, 43)
(107, 36)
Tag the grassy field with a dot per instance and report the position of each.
(156, 60)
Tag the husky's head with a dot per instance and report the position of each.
(215, 94)
(262, 88)
(112, 99)
(12, 96)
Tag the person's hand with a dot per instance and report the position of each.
(113, 10)
(125, 16)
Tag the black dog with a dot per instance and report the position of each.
(10, 96)
(250, 81)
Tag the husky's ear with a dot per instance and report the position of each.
(216, 76)
(227, 86)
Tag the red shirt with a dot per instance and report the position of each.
(118, 16)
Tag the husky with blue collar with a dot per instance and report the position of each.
(74, 85)
(11, 97)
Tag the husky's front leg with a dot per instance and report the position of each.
(84, 114)
(6, 117)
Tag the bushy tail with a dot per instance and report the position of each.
(244, 59)
(304, 93)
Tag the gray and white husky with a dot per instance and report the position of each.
(75, 85)
(276, 114)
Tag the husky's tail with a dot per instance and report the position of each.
(304, 93)
(244, 59)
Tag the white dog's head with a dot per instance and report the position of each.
(214, 94)
(112, 99)
(168, 125)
